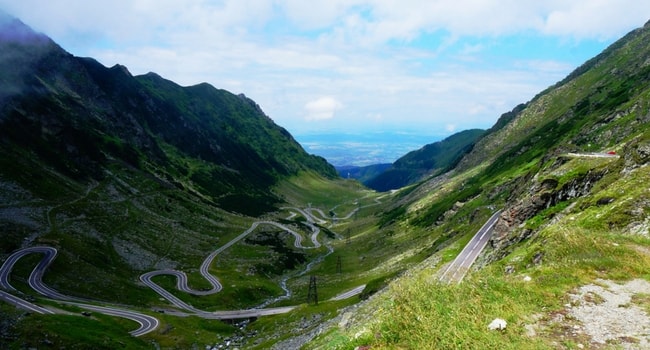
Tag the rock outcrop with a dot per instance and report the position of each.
(543, 194)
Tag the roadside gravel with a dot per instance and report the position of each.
(614, 314)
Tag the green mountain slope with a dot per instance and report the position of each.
(130, 174)
(572, 215)
(125, 175)
(76, 114)
(430, 160)
(363, 173)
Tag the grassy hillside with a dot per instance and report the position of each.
(431, 160)
(143, 197)
(570, 218)
(572, 245)
(77, 116)
(362, 174)
(125, 175)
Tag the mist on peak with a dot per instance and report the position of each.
(14, 30)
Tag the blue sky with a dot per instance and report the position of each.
(421, 66)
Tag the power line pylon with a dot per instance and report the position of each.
(339, 268)
(312, 294)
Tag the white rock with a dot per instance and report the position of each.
(527, 279)
(497, 324)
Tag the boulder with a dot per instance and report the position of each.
(497, 324)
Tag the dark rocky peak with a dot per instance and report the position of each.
(152, 75)
(254, 104)
(156, 80)
(122, 69)
(24, 53)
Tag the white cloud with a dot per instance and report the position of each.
(372, 22)
(317, 14)
(601, 19)
(367, 21)
(322, 108)
(374, 117)
(283, 53)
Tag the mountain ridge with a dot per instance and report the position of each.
(567, 170)
(428, 161)
(137, 196)
(92, 112)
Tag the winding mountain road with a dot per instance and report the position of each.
(149, 323)
(458, 268)
(181, 277)
(355, 210)
(350, 293)
(24, 304)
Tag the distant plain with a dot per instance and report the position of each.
(357, 149)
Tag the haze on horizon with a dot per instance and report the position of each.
(348, 66)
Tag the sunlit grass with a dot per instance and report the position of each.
(420, 313)
(73, 331)
(310, 188)
(577, 242)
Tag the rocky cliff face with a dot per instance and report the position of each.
(545, 193)
(602, 106)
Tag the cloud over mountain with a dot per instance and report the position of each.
(404, 60)
(322, 108)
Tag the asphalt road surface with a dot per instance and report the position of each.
(350, 293)
(458, 268)
(147, 323)
(182, 285)
(24, 304)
